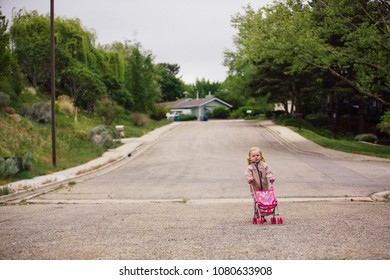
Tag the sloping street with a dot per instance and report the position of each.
(185, 197)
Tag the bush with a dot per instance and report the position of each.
(107, 109)
(221, 112)
(292, 122)
(4, 191)
(39, 112)
(209, 114)
(65, 104)
(27, 161)
(319, 120)
(242, 112)
(187, 118)
(102, 135)
(8, 168)
(384, 125)
(159, 112)
(139, 119)
(29, 90)
(366, 138)
(275, 114)
(5, 100)
(297, 122)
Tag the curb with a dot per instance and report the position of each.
(381, 196)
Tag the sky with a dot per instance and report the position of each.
(191, 33)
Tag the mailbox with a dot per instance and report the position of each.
(121, 130)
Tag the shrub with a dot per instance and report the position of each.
(27, 161)
(139, 119)
(384, 125)
(185, 117)
(29, 90)
(4, 191)
(221, 112)
(292, 122)
(275, 114)
(242, 111)
(366, 137)
(102, 135)
(39, 112)
(107, 109)
(8, 168)
(209, 114)
(301, 123)
(65, 104)
(106, 140)
(159, 112)
(5, 100)
(10, 111)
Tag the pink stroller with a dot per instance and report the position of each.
(265, 204)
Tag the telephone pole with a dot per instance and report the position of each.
(53, 85)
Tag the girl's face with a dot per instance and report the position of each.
(255, 156)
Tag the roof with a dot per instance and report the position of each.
(191, 103)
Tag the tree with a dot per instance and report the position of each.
(5, 55)
(141, 81)
(118, 92)
(30, 35)
(11, 79)
(202, 87)
(84, 86)
(290, 31)
(384, 125)
(345, 39)
(171, 87)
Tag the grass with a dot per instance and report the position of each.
(345, 145)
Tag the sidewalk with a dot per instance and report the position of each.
(108, 161)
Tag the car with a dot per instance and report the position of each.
(172, 115)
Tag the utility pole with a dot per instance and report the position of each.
(53, 85)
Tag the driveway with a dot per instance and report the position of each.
(185, 197)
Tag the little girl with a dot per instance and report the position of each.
(258, 171)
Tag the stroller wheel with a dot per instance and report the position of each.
(254, 221)
(273, 220)
(280, 220)
(260, 220)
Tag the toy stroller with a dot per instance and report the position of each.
(265, 204)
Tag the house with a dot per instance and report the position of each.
(196, 107)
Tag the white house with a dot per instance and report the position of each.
(195, 107)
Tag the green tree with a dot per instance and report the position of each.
(141, 81)
(84, 86)
(11, 78)
(171, 86)
(118, 92)
(202, 88)
(341, 43)
(107, 109)
(5, 55)
(288, 32)
(384, 125)
(30, 35)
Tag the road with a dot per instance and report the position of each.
(185, 197)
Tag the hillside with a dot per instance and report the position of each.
(20, 135)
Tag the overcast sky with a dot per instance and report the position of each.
(191, 33)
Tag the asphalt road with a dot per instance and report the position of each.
(185, 197)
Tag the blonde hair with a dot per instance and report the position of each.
(254, 149)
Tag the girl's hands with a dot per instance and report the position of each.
(272, 180)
